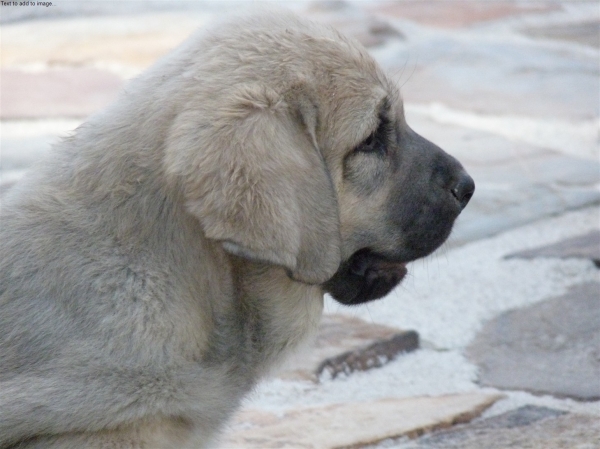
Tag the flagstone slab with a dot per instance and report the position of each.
(547, 348)
(518, 191)
(586, 33)
(353, 424)
(344, 345)
(458, 14)
(508, 87)
(585, 246)
(75, 92)
(130, 41)
(495, 77)
(497, 208)
(526, 427)
(354, 21)
(471, 146)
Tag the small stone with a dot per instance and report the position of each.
(346, 344)
(373, 356)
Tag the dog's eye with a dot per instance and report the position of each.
(372, 144)
(367, 145)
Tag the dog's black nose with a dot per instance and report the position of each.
(464, 189)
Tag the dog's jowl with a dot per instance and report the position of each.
(180, 242)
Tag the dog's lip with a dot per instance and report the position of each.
(399, 268)
(378, 262)
(387, 265)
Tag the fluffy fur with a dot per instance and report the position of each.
(172, 250)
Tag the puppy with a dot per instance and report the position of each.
(180, 242)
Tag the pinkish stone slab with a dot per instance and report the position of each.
(130, 42)
(353, 425)
(55, 93)
(456, 14)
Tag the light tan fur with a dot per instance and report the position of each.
(173, 250)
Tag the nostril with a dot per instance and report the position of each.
(464, 189)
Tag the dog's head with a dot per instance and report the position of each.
(292, 149)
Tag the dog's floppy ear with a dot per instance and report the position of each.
(253, 176)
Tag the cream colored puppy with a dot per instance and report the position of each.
(174, 248)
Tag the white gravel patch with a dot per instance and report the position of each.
(447, 299)
(449, 296)
(421, 373)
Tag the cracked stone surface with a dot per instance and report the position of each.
(547, 348)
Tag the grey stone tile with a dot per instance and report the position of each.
(500, 77)
(586, 33)
(519, 191)
(474, 148)
(549, 169)
(528, 427)
(523, 416)
(550, 348)
(494, 210)
(585, 246)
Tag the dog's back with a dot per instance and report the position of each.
(102, 279)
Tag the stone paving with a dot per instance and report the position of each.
(512, 90)
(586, 246)
(356, 424)
(527, 427)
(547, 348)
